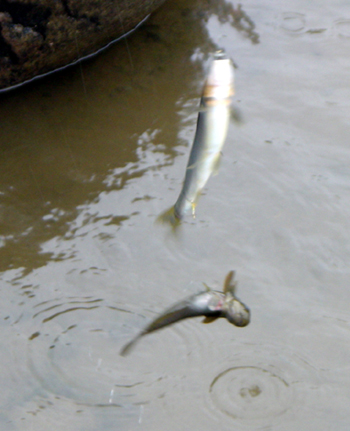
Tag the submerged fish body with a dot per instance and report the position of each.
(212, 304)
(212, 125)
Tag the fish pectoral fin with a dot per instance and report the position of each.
(193, 206)
(209, 319)
(192, 166)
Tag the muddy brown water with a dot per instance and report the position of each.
(92, 155)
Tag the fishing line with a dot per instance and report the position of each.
(80, 65)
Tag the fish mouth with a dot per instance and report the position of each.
(220, 55)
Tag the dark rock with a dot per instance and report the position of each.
(39, 36)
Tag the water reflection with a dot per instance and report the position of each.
(76, 135)
(236, 16)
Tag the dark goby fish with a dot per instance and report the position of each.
(212, 304)
(212, 125)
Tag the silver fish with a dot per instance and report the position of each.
(212, 304)
(212, 125)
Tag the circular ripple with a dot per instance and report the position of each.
(250, 392)
(293, 22)
(263, 384)
(74, 353)
(342, 28)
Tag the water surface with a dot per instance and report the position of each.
(92, 155)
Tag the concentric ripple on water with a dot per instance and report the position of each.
(74, 352)
(250, 392)
(264, 386)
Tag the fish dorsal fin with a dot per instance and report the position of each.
(209, 319)
(207, 288)
(230, 284)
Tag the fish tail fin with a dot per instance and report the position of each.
(128, 347)
(169, 217)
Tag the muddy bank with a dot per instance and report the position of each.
(39, 36)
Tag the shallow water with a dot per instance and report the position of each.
(92, 155)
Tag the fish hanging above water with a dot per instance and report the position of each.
(212, 125)
(212, 304)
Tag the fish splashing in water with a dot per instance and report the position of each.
(212, 304)
(212, 125)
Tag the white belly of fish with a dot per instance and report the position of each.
(205, 155)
